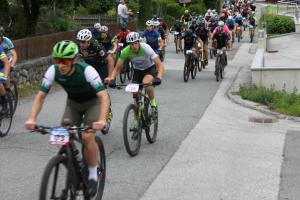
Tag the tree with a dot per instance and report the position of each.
(4, 10)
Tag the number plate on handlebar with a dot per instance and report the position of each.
(250, 26)
(176, 33)
(59, 136)
(121, 44)
(220, 51)
(132, 87)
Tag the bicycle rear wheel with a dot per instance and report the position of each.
(151, 123)
(63, 183)
(217, 68)
(132, 130)
(14, 94)
(194, 70)
(6, 116)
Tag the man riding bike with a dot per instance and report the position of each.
(105, 38)
(121, 38)
(8, 47)
(96, 30)
(185, 18)
(4, 73)
(87, 100)
(203, 33)
(146, 64)
(152, 37)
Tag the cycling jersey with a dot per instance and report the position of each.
(221, 40)
(106, 42)
(186, 18)
(162, 33)
(2, 55)
(95, 55)
(95, 33)
(7, 45)
(152, 38)
(189, 39)
(252, 21)
(239, 20)
(178, 27)
(202, 33)
(81, 86)
(141, 60)
(225, 29)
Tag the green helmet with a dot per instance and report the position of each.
(65, 49)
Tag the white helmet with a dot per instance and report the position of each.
(156, 23)
(132, 37)
(230, 17)
(220, 23)
(103, 29)
(149, 23)
(97, 25)
(84, 35)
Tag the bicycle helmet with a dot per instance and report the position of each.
(221, 23)
(97, 25)
(65, 49)
(103, 29)
(186, 11)
(154, 17)
(149, 23)
(132, 37)
(84, 35)
(156, 23)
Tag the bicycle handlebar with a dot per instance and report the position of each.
(45, 129)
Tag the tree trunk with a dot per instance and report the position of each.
(32, 11)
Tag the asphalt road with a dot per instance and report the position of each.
(24, 155)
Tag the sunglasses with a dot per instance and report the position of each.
(63, 61)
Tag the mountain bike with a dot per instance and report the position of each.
(13, 89)
(220, 64)
(189, 66)
(239, 33)
(202, 60)
(6, 112)
(66, 174)
(138, 116)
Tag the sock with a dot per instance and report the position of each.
(153, 103)
(93, 173)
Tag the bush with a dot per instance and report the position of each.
(280, 25)
(279, 101)
(174, 10)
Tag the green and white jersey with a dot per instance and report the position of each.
(141, 60)
(82, 85)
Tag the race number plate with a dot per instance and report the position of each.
(176, 33)
(188, 51)
(250, 26)
(132, 87)
(59, 136)
(121, 44)
(220, 51)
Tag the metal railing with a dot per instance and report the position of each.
(289, 8)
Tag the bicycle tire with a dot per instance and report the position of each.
(6, 118)
(137, 130)
(193, 70)
(251, 36)
(217, 68)
(123, 73)
(211, 53)
(53, 164)
(151, 138)
(101, 169)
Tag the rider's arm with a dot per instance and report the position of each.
(110, 64)
(15, 57)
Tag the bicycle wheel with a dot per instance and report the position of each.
(59, 180)
(251, 36)
(217, 72)
(186, 70)
(193, 69)
(151, 123)
(6, 116)
(130, 70)
(132, 130)
(198, 65)
(101, 170)
(211, 53)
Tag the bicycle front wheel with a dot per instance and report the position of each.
(58, 180)
(151, 122)
(6, 115)
(14, 94)
(132, 130)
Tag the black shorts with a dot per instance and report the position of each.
(138, 75)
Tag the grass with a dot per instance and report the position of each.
(278, 101)
(269, 12)
(28, 89)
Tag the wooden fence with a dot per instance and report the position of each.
(89, 21)
(41, 46)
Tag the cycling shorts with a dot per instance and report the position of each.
(138, 75)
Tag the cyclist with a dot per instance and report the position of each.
(239, 21)
(95, 55)
(8, 47)
(221, 38)
(185, 18)
(191, 41)
(193, 26)
(4, 72)
(96, 30)
(158, 27)
(231, 25)
(252, 19)
(152, 37)
(146, 64)
(203, 33)
(105, 38)
(121, 38)
(177, 27)
(87, 100)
